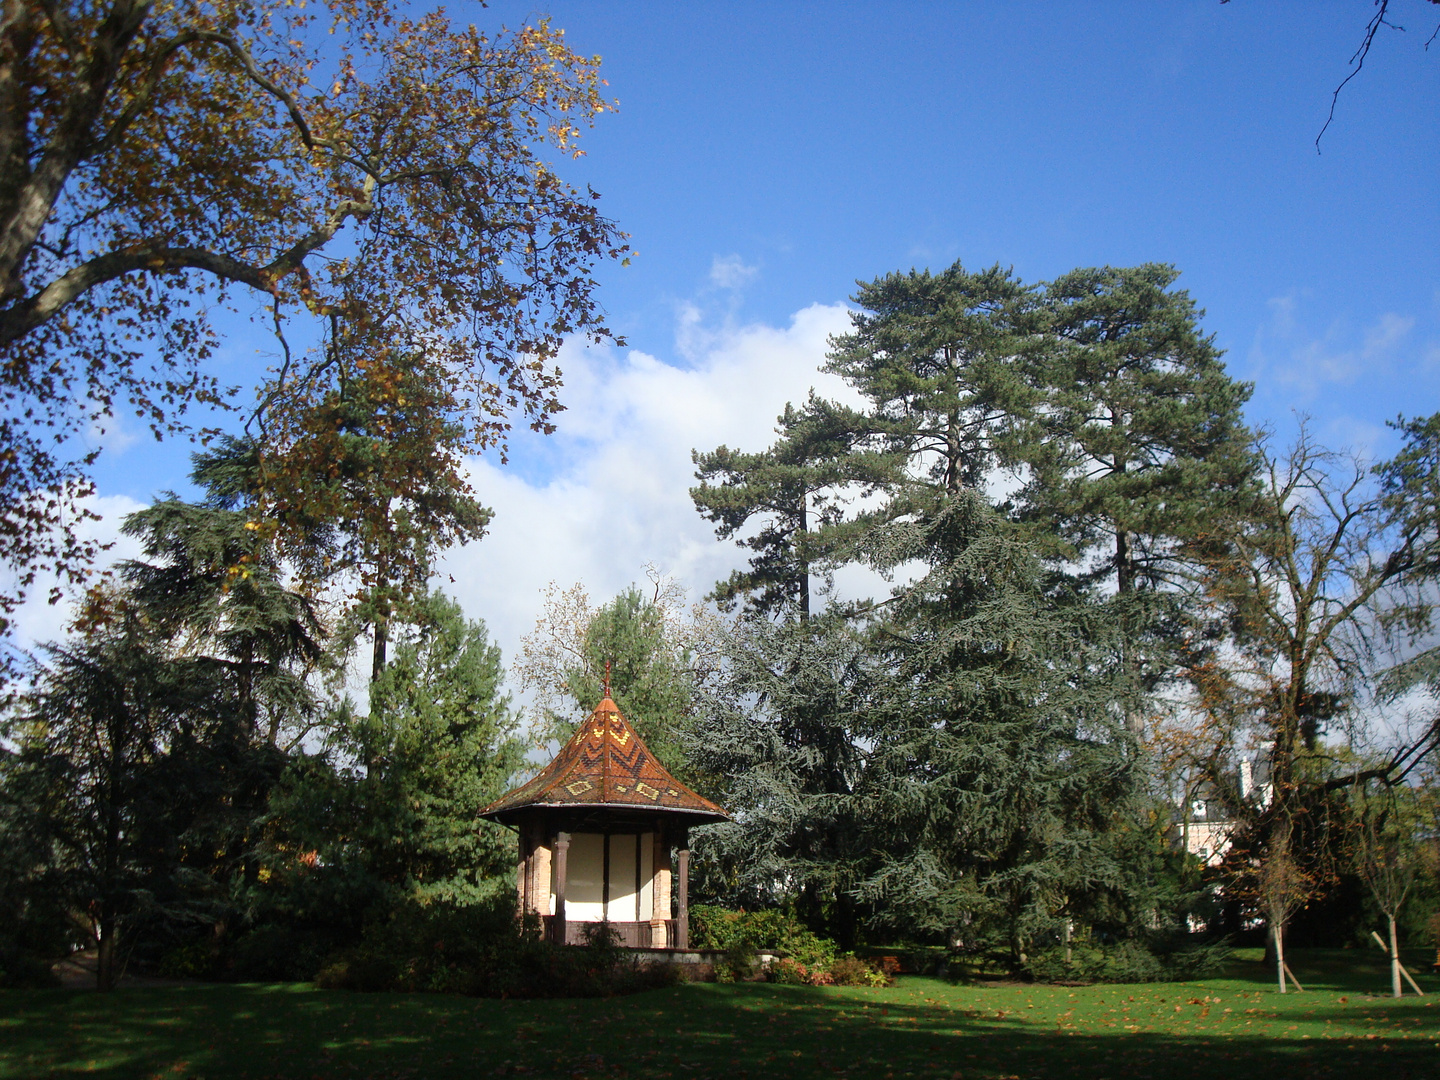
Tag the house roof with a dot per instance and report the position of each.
(605, 764)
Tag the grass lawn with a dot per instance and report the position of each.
(1220, 1029)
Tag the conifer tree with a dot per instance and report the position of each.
(989, 775)
(792, 490)
(215, 587)
(790, 730)
(1133, 441)
(1003, 769)
(437, 745)
(936, 358)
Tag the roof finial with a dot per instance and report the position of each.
(607, 679)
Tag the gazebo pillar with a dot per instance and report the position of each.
(660, 905)
(562, 854)
(682, 917)
(540, 873)
(523, 871)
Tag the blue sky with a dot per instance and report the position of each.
(816, 144)
(767, 155)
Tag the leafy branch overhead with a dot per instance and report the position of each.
(339, 161)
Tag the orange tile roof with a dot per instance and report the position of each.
(606, 764)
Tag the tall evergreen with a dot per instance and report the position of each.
(791, 731)
(127, 760)
(214, 585)
(397, 815)
(1003, 768)
(1134, 440)
(788, 494)
(936, 357)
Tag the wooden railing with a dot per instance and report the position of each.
(629, 935)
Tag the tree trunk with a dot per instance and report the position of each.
(382, 641)
(804, 563)
(1277, 933)
(1394, 960)
(105, 973)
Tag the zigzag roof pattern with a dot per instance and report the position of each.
(605, 764)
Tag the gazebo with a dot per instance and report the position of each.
(597, 827)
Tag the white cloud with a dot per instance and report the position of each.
(109, 435)
(731, 272)
(1389, 331)
(1291, 356)
(621, 498)
(37, 620)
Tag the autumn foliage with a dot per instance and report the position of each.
(328, 160)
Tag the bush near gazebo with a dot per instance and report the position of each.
(802, 956)
(483, 950)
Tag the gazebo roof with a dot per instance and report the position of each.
(605, 765)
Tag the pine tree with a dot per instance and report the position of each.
(791, 489)
(1003, 767)
(437, 745)
(126, 759)
(989, 778)
(1134, 439)
(936, 358)
(791, 730)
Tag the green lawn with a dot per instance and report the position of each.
(1221, 1029)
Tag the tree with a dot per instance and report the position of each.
(152, 740)
(1323, 587)
(122, 751)
(384, 170)
(793, 490)
(790, 729)
(215, 589)
(659, 655)
(989, 769)
(1134, 434)
(397, 808)
(1386, 857)
(934, 355)
(361, 479)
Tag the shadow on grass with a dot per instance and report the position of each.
(922, 1028)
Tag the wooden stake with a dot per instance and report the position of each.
(1403, 970)
(1286, 968)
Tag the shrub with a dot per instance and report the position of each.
(749, 932)
(277, 954)
(356, 969)
(1127, 962)
(485, 951)
(22, 970)
(852, 971)
(790, 972)
(191, 960)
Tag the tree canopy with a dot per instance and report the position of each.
(342, 161)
